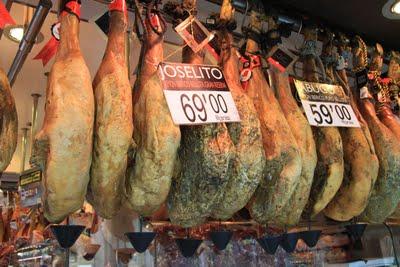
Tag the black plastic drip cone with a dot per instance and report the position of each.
(67, 235)
(270, 243)
(188, 246)
(140, 240)
(289, 241)
(310, 237)
(221, 238)
(356, 230)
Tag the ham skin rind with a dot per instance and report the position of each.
(63, 147)
(113, 126)
(8, 123)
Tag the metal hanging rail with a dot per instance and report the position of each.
(29, 38)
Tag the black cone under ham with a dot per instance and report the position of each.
(289, 242)
(140, 240)
(221, 238)
(67, 235)
(270, 243)
(356, 230)
(310, 237)
(188, 246)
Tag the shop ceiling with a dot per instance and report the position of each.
(353, 16)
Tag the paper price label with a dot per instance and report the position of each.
(326, 105)
(197, 94)
(199, 107)
(30, 187)
(330, 114)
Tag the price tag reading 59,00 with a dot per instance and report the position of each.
(326, 105)
(197, 94)
(330, 114)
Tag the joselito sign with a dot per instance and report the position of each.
(326, 105)
(197, 94)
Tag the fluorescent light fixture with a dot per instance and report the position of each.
(395, 8)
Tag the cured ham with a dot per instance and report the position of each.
(63, 147)
(303, 135)
(283, 165)
(359, 178)
(8, 123)
(205, 155)
(328, 175)
(156, 136)
(385, 195)
(385, 112)
(249, 160)
(113, 125)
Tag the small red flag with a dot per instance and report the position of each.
(50, 49)
(5, 17)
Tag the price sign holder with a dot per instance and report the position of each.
(30, 188)
(197, 94)
(193, 32)
(326, 105)
(361, 78)
(281, 58)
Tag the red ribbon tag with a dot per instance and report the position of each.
(48, 51)
(386, 80)
(247, 71)
(119, 5)
(72, 7)
(154, 20)
(371, 76)
(5, 17)
(51, 47)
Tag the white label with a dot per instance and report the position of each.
(330, 114)
(55, 30)
(200, 107)
(364, 93)
(13, 225)
(197, 94)
(326, 105)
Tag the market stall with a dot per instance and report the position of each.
(197, 133)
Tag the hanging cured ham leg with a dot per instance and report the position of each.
(328, 175)
(8, 123)
(359, 178)
(205, 155)
(249, 162)
(386, 193)
(63, 147)
(113, 121)
(385, 113)
(156, 136)
(283, 168)
(303, 135)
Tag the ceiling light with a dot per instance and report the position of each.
(391, 9)
(395, 8)
(14, 32)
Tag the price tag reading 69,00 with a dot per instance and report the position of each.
(197, 94)
(326, 105)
